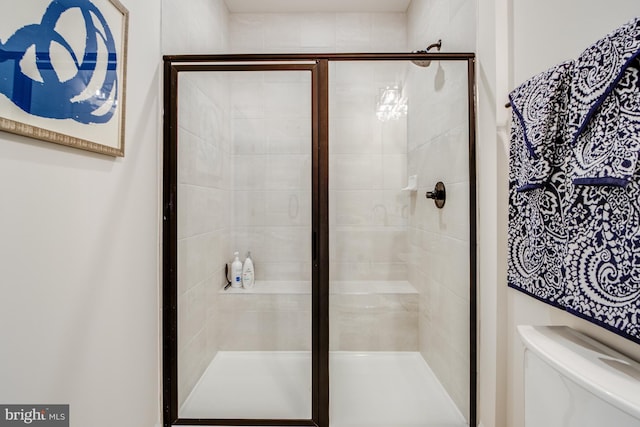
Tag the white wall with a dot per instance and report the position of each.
(515, 41)
(79, 251)
(492, 80)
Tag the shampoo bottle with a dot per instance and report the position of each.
(247, 272)
(236, 272)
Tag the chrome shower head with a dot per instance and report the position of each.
(426, 62)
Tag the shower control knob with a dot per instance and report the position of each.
(439, 194)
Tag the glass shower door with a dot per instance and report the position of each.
(244, 185)
(363, 303)
(399, 265)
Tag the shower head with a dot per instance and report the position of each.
(426, 62)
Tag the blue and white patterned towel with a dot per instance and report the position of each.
(539, 106)
(603, 116)
(574, 203)
(537, 236)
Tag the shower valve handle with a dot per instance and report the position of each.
(439, 194)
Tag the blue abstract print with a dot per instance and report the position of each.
(84, 89)
(574, 185)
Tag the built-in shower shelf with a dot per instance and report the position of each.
(273, 287)
(371, 315)
(350, 287)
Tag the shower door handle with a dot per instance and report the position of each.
(314, 249)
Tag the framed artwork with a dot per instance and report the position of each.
(63, 72)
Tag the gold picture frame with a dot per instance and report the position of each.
(63, 67)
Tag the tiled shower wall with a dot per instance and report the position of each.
(317, 32)
(369, 158)
(368, 163)
(200, 26)
(437, 132)
(271, 210)
(204, 185)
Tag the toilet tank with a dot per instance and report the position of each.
(572, 380)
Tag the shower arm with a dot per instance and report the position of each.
(437, 44)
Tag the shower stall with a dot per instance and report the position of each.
(323, 167)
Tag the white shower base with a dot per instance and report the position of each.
(367, 389)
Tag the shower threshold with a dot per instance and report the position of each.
(367, 389)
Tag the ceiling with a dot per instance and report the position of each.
(289, 6)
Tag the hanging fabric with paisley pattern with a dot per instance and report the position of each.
(574, 184)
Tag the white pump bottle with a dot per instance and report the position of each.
(236, 272)
(248, 276)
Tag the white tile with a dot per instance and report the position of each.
(318, 30)
(191, 364)
(396, 205)
(287, 208)
(237, 79)
(287, 76)
(368, 270)
(394, 169)
(355, 172)
(389, 32)
(287, 99)
(247, 99)
(353, 208)
(249, 135)
(249, 208)
(175, 18)
(198, 258)
(201, 161)
(249, 239)
(289, 145)
(288, 172)
(282, 31)
(352, 72)
(246, 32)
(462, 32)
(191, 317)
(288, 135)
(362, 244)
(287, 244)
(437, 21)
(452, 257)
(199, 210)
(353, 32)
(186, 157)
(202, 35)
(454, 221)
(249, 172)
(285, 271)
(186, 108)
(356, 134)
(389, 323)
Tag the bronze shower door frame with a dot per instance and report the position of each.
(318, 65)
